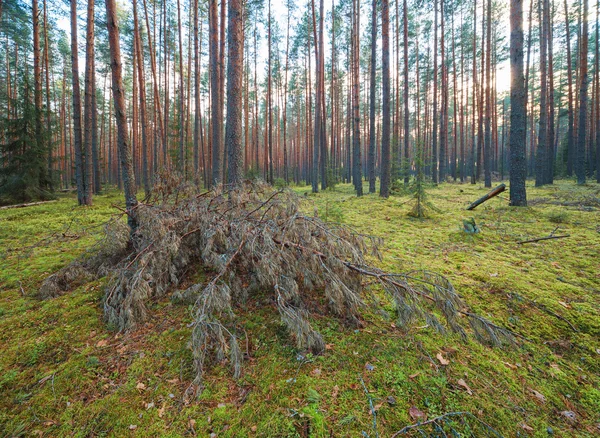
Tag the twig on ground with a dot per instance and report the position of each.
(371, 407)
(445, 416)
(548, 237)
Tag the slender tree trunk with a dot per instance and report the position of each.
(406, 163)
(48, 112)
(269, 102)
(181, 163)
(77, 134)
(373, 98)
(386, 157)
(318, 107)
(472, 160)
(95, 154)
(124, 146)
(37, 77)
(356, 149)
(197, 121)
(222, 88)
(488, 99)
(434, 150)
(323, 137)
(444, 101)
(571, 111)
(549, 177)
(597, 74)
(142, 91)
(583, 98)
(213, 20)
(542, 147)
(285, 92)
(88, 171)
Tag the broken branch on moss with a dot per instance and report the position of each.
(254, 238)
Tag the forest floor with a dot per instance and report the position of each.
(63, 373)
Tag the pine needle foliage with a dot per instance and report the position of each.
(421, 206)
(256, 238)
(23, 175)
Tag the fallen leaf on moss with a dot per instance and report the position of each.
(526, 427)
(442, 360)
(569, 415)
(462, 383)
(335, 391)
(538, 395)
(415, 413)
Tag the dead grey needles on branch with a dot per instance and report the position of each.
(257, 238)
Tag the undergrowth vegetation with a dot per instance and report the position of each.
(63, 370)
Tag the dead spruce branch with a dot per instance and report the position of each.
(257, 238)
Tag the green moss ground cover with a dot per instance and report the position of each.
(63, 373)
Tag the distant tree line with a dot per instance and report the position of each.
(220, 91)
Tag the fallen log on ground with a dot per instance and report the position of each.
(495, 192)
(543, 238)
(30, 204)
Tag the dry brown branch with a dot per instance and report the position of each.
(30, 204)
(256, 238)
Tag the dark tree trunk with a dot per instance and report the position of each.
(597, 97)
(518, 111)
(197, 120)
(48, 112)
(356, 149)
(88, 170)
(406, 163)
(488, 100)
(77, 134)
(270, 103)
(37, 73)
(233, 127)
(583, 98)
(549, 179)
(386, 158)
(95, 145)
(321, 101)
(317, 125)
(571, 111)
(542, 147)
(373, 99)
(213, 20)
(434, 151)
(181, 162)
(444, 101)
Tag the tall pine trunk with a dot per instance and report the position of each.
(373, 99)
(215, 106)
(518, 111)
(233, 127)
(124, 147)
(583, 98)
(386, 158)
(77, 134)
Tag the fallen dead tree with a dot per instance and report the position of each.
(256, 238)
(492, 193)
(29, 204)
